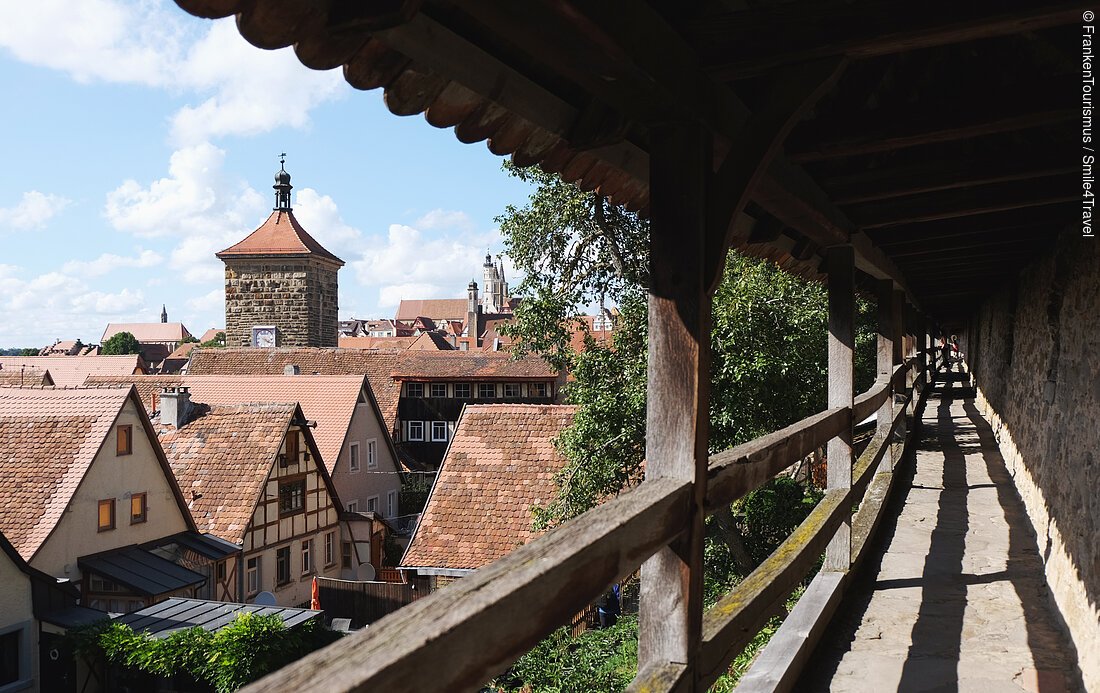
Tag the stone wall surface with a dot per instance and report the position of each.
(1034, 350)
(298, 297)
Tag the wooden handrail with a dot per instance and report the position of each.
(477, 626)
(736, 471)
(471, 625)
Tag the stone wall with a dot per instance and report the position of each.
(1034, 350)
(298, 296)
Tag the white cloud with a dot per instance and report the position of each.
(57, 306)
(407, 264)
(197, 203)
(207, 303)
(108, 262)
(33, 210)
(244, 90)
(445, 219)
(321, 218)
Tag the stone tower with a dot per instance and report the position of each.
(280, 284)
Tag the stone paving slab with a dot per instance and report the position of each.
(957, 600)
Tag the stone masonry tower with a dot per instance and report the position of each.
(280, 284)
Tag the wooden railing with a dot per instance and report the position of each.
(461, 636)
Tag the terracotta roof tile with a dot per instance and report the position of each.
(48, 439)
(281, 234)
(211, 334)
(221, 458)
(70, 371)
(451, 365)
(376, 342)
(377, 366)
(148, 331)
(19, 377)
(434, 308)
(327, 399)
(501, 462)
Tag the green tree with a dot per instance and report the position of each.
(121, 343)
(28, 352)
(189, 339)
(217, 342)
(768, 368)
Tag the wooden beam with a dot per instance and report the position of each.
(886, 131)
(931, 176)
(885, 358)
(993, 241)
(747, 159)
(840, 267)
(677, 412)
(952, 204)
(749, 42)
(508, 598)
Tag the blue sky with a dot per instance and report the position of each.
(139, 141)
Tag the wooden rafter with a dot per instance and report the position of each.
(750, 42)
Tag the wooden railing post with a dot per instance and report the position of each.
(899, 358)
(840, 267)
(884, 419)
(677, 414)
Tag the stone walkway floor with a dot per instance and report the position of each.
(955, 599)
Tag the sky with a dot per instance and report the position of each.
(138, 141)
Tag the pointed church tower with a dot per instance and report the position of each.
(280, 284)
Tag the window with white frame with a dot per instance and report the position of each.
(372, 454)
(414, 389)
(486, 390)
(352, 506)
(416, 430)
(330, 548)
(372, 504)
(511, 390)
(353, 457)
(439, 389)
(307, 556)
(540, 389)
(391, 504)
(439, 431)
(462, 390)
(252, 575)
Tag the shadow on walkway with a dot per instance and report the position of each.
(953, 596)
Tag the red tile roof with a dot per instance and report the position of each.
(434, 308)
(48, 440)
(20, 377)
(501, 462)
(71, 371)
(327, 399)
(470, 365)
(148, 331)
(183, 350)
(377, 366)
(221, 458)
(281, 234)
(211, 334)
(376, 342)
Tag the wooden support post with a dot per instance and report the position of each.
(885, 416)
(899, 358)
(677, 413)
(840, 267)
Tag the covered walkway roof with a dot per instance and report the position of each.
(936, 139)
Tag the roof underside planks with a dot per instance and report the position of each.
(944, 115)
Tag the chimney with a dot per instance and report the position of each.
(175, 406)
(292, 369)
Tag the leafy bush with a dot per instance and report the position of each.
(243, 651)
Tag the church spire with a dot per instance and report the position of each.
(282, 186)
(163, 313)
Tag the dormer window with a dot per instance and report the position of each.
(124, 440)
(414, 389)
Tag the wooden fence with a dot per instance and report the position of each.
(480, 624)
(364, 602)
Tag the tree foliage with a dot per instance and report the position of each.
(119, 344)
(241, 652)
(217, 342)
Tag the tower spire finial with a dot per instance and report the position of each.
(282, 186)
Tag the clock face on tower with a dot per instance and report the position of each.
(263, 336)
